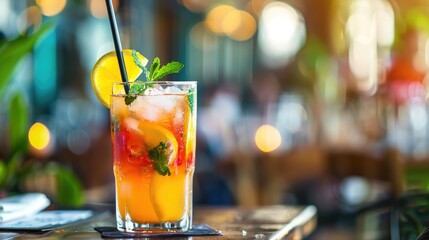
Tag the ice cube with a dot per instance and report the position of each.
(153, 108)
(173, 90)
(168, 103)
(145, 108)
(179, 114)
(131, 124)
(178, 118)
(156, 89)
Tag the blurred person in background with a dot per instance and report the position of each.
(405, 77)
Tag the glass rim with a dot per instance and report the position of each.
(120, 88)
(157, 82)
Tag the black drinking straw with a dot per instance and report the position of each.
(117, 42)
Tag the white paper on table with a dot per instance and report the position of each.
(22, 205)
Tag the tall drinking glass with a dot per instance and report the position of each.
(153, 139)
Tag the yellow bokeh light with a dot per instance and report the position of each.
(231, 22)
(51, 7)
(215, 18)
(239, 25)
(267, 138)
(39, 136)
(227, 20)
(98, 7)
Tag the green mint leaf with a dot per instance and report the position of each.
(154, 68)
(159, 156)
(154, 73)
(138, 63)
(135, 89)
(191, 97)
(170, 68)
(129, 99)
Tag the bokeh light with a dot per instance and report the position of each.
(355, 190)
(51, 7)
(98, 7)
(385, 23)
(227, 20)
(214, 19)
(418, 116)
(39, 136)
(239, 25)
(281, 33)
(267, 138)
(231, 21)
(369, 26)
(294, 115)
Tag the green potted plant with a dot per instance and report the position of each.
(15, 167)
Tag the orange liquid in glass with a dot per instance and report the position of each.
(142, 193)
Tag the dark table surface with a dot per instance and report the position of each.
(267, 222)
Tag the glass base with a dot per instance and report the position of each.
(128, 225)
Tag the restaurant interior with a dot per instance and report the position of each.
(300, 102)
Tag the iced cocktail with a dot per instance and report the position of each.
(153, 140)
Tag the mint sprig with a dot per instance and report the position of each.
(134, 90)
(138, 63)
(159, 156)
(154, 68)
(169, 68)
(155, 72)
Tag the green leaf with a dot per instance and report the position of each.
(138, 63)
(159, 156)
(69, 188)
(154, 69)
(12, 51)
(12, 169)
(191, 99)
(156, 72)
(170, 68)
(18, 122)
(129, 99)
(3, 173)
(136, 89)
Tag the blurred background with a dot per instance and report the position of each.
(299, 102)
